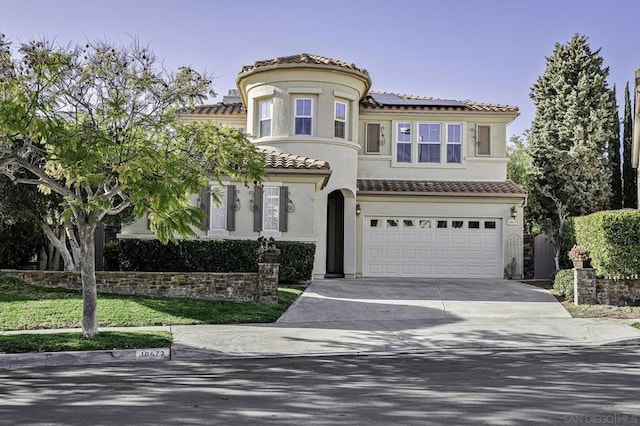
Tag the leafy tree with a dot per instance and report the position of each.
(614, 162)
(629, 177)
(99, 125)
(573, 125)
(26, 204)
(520, 170)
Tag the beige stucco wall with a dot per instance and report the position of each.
(473, 167)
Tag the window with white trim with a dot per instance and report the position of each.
(265, 109)
(340, 120)
(424, 143)
(218, 212)
(429, 142)
(403, 145)
(454, 143)
(303, 116)
(271, 208)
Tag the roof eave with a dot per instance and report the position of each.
(446, 194)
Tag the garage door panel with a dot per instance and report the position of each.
(392, 254)
(458, 239)
(409, 238)
(442, 239)
(425, 254)
(424, 238)
(403, 247)
(456, 254)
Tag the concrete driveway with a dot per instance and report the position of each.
(402, 299)
(405, 315)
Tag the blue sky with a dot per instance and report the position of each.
(482, 50)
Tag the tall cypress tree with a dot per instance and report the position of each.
(629, 177)
(572, 128)
(614, 161)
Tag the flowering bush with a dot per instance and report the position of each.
(579, 252)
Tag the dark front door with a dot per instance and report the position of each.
(335, 235)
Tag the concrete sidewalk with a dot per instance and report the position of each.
(378, 316)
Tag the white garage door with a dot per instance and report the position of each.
(432, 247)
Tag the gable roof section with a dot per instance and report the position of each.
(395, 101)
(439, 187)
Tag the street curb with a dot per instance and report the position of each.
(47, 359)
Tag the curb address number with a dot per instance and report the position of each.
(152, 354)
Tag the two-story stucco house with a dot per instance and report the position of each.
(385, 185)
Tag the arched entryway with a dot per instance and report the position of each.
(335, 235)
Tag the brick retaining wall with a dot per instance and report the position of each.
(590, 290)
(241, 287)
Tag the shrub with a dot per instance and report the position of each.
(296, 258)
(613, 240)
(563, 283)
(19, 243)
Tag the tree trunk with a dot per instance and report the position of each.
(69, 264)
(88, 275)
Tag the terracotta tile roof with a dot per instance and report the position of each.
(439, 187)
(219, 108)
(280, 160)
(466, 105)
(302, 58)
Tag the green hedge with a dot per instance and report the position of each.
(563, 283)
(296, 259)
(613, 240)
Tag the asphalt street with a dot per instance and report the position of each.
(501, 387)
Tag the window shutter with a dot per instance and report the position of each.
(282, 211)
(373, 137)
(483, 134)
(231, 213)
(205, 206)
(257, 206)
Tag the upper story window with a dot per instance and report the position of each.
(303, 116)
(265, 111)
(340, 120)
(454, 143)
(429, 141)
(403, 147)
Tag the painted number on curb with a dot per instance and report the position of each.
(152, 354)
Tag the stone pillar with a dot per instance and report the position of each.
(268, 282)
(584, 286)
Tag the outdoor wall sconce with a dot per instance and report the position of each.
(358, 209)
(514, 212)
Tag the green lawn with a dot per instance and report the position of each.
(27, 307)
(106, 340)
